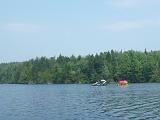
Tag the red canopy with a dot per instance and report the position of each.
(122, 82)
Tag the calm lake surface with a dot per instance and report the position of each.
(80, 102)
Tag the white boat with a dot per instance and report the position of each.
(100, 83)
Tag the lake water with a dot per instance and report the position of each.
(80, 102)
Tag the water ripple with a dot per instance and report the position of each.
(80, 102)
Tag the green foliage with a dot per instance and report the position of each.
(131, 65)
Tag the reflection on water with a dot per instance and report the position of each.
(80, 102)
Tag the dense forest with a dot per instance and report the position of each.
(134, 66)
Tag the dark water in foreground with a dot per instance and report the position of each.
(80, 102)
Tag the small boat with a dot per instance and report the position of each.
(100, 83)
(122, 83)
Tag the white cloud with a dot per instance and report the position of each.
(128, 25)
(21, 27)
(122, 26)
(123, 3)
(131, 3)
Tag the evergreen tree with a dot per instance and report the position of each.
(133, 66)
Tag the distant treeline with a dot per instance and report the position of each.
(133, 66)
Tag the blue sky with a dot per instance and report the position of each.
(31, 28)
